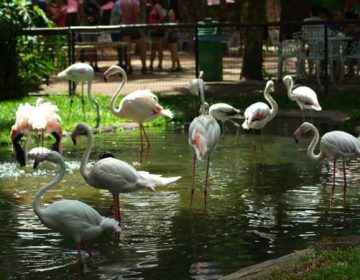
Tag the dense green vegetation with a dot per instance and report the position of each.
(323, 264)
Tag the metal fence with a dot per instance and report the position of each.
(325, 56)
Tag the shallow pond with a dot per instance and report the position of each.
(262, 205)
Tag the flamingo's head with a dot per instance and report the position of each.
(81, 128)
(287, 81)
(112, 70)
(19, 153)
(302, 129)
(53, 156)
(103, 155)
(270, 87)
(204, 109)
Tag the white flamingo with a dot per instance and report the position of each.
(115, 175)
(72, 218)
(257, 115)
(81, 73)
(41, 118)
(224, 112)
(140, 106)
(334, 145)
(204, 135)
(305, 97)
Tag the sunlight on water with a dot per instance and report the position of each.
(262, 204)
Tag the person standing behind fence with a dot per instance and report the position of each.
(89, 12)
(157, 35)
(56, 10)
(115, 19)
(130, 14)
(72, 13)
(173, 43)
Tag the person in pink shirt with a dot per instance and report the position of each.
(130, 14)
(56, 11)
(72, 12)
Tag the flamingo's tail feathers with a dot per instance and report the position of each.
(167, 113)
(316, 107)
(110, 224)
(245, 125)
(62, 74)
(157, 180)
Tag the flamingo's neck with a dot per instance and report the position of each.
(310, 151)
(290, 90)
(273, 104)
(43, 189)
(116, 111)
(85, 158)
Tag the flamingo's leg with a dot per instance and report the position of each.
(193, 181)
(345, 185)
(141, 143)
(71, 103)
(333, 185)
(80, 264)
(206, 182)
(117, 207)
(148, 143)
(87, 248)
(261, 139)
(82, 100)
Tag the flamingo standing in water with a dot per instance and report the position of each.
(115, 175)
(140, 106)
(81, 73)
(204, 135)
(72, 218)
(333, 145)
(257, 115)
(41, 118)
(305, 97)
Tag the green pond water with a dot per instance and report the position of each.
(261, 205)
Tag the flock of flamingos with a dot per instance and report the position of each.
(80, 221)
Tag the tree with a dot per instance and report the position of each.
(253, 59)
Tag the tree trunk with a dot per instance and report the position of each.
(253, 60)
(192, 11)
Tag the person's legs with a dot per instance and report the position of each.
(140, 43)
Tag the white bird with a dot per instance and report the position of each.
(204, 135)
(334, 145)
(72, 218)
(81, 73)
(30, 119)
(305, 97)
(140, 106)
(115, 175)
(257, 115)
(224, 112)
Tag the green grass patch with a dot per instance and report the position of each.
(323, 264)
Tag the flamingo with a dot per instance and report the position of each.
(305, 97)
(140, 106)
(72, 218)
(42, 118)
(257, 115)
(81, 73)
(204, 135)
(113, 174)
(333, 145)
(224, 112)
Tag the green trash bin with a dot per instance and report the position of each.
(210, 51)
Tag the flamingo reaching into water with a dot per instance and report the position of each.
(72, 218)
(305, 97)
(333, 145)
(257, 115)
(81, 73)
(115, 175)
(204, 135)
(41, 118)
(140, 106)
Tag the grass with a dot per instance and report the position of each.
(184, 106)
(323, 264)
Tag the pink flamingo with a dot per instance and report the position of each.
(140, 106)
(333, 145)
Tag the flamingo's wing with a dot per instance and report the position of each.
(254, 113)
(339, 144)
(307, 97)
(116, 176)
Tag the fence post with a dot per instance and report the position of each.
(71, 57)
(196, 52)
(326, 59)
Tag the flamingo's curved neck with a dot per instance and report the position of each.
(116, 111)
(290, 90)
(85, 158)
(43, 189)
(272, 102)
(311, 148)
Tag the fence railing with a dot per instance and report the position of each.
(296, 48)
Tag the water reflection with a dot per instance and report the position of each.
(260, 206)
